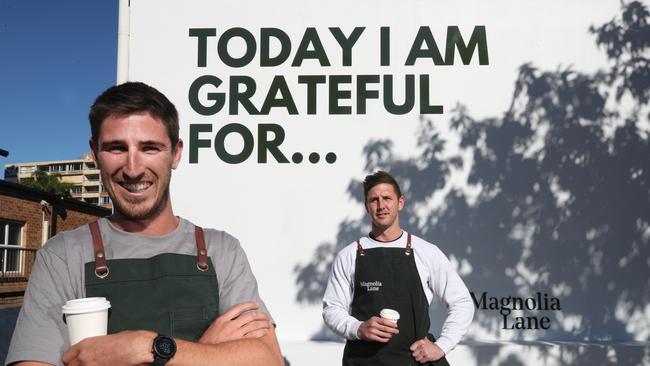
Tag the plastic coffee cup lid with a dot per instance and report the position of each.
(389, 314)
(86, 305)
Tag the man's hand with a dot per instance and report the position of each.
(426, 351)
(240, 321)
(377, 329)
(124, 348)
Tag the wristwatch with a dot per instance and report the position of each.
(163, 349)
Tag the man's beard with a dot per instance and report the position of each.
(133, 211)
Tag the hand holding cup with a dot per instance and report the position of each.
(86, 317)
(379, 329)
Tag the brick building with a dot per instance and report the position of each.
(28, 217)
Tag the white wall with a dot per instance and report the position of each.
(283, 212)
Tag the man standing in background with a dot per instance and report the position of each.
(392, 269)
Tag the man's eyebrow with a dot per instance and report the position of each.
(153, 142)
(112, 142)
(145, 142)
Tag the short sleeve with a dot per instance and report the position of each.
(237, 283)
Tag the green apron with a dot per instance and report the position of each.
(172, 294)
(399, 289)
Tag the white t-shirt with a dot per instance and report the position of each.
(436, 273)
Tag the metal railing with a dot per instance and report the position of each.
(16, 263)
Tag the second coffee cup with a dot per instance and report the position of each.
(389, 314)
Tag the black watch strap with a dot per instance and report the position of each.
(163, 349)
(159, 361)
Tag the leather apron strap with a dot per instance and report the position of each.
(360, 250)
(101, 267)
(408, 249)
(202, 254)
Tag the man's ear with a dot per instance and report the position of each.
(93, 150)
(177, 153)
(400, 203)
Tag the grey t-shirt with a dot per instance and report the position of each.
(58, 276)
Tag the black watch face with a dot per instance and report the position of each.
(165, 347)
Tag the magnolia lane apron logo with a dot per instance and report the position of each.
(371, 286)
(505, 306)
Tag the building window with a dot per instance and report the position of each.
(105, 200)
(11, 234)
(73, 167)
(57, 168)
(27, 169)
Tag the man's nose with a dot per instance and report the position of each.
(133, 167)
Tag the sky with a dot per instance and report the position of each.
(55, 58)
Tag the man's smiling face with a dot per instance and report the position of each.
(135, 158)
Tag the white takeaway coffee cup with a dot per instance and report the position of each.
(389, 314)
(87, 317)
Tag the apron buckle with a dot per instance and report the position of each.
(202, 266)
(102, 272)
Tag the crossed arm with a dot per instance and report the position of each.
(241, 336)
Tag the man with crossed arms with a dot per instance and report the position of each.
(180, 295)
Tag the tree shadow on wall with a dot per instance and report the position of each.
(556, 201)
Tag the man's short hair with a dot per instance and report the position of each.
(379, 177)
(129, 98)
